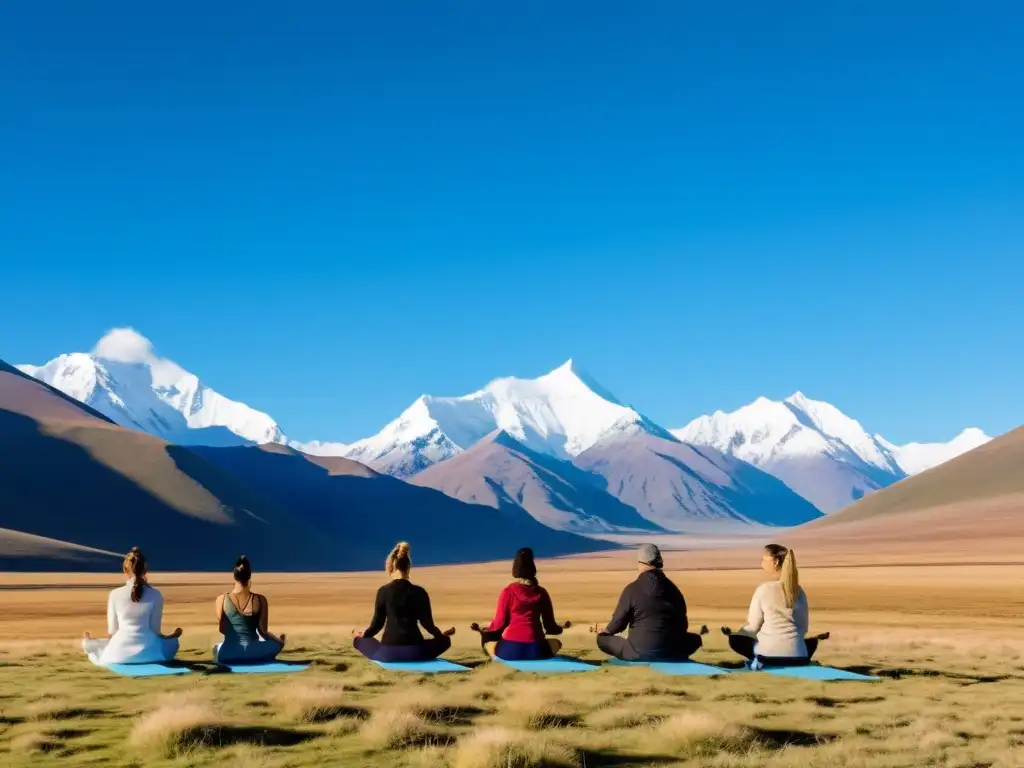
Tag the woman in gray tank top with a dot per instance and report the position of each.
(243, 616)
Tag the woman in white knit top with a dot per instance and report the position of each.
(778, 617)
(134, 613)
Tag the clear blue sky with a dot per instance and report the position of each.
(326, 209)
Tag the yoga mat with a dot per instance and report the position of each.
(680, 668)
(422, 667)
(557, 664)
(817, 672)
(267, 667)
(144, 670)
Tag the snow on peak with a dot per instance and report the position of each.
(812, 446)
(561, 413)
(127, 381)
(915, 458)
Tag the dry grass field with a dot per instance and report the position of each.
(947, 641)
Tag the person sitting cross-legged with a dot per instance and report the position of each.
(653, 610)
(400, 609)
(242, 617)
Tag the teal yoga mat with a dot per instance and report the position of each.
(556, 664)
(437, 666)
(145, 670)
(265, 668)
(817, 672)
(679, 668)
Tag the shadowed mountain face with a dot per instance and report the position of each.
(71, 475)
(73, 482)
(684, 487)
(501, 472)
(354, 503)
(993, 471)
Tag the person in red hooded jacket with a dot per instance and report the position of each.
(523, 618)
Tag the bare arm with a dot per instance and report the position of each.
(264, 610)
(222, 620)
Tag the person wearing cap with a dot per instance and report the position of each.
(653, 610)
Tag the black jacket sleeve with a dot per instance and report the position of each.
(623, 615)
(380, 614)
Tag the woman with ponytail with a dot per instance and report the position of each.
(400, 609)
(523, 617)
(134, 614)
(243, 616)
(777, 622)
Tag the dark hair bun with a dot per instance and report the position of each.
(243, 571)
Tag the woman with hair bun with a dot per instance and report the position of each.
(523, 617)
(134, 614)
(243, 616)
(774, 635)
(400, 609)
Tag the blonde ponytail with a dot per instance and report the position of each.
(789, 577)
(398, 559)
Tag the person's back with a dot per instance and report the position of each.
(659, 623)
(244, 626)
(134, 636)
(527, 606)
(782, 629)
(406, 608)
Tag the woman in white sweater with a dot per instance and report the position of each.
(777, 621)
(134, 613)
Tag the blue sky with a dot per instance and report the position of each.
(326, 209)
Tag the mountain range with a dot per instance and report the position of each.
(559, 447)
(78, 489)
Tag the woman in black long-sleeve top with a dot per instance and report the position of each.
(400, 608)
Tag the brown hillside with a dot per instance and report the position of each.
(992, 471)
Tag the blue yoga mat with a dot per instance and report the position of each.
(817, 672)
(681, 668)
(145, 670)
(434, 667)
(557, 664)
(268, 667)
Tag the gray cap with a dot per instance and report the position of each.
(649, 555)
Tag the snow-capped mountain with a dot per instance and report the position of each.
(814, 448)
(560, 414)
(125, 380)
(915, 458)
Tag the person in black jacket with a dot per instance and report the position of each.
(400, 607)
(654, 611)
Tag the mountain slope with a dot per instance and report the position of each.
(501, 472)
(124, 379)
(684, 487)
(914, 458)
(811, 446)
(561, 414)
(352, 503)
(993, 470)
(71, 475)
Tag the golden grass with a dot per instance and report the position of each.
(312, 702)
(497, 747)
(177, 726)
(952, 692)
(396, 728)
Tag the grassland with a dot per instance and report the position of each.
(948, 643)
